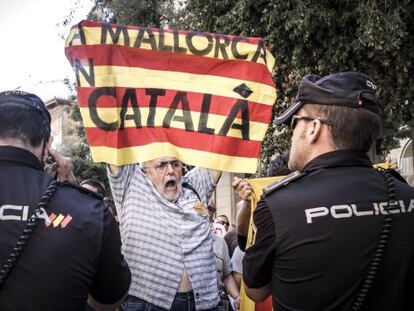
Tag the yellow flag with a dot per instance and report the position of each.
(257, 185)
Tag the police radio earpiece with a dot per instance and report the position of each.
(379, 251)
(27, 233)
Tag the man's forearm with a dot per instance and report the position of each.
(113, 169)
(237, 276)
(244, 192)
(216, 176)
(231, 286)
(243, 217)
(232, 290)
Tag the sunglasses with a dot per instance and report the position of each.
(296, 118)
(222, 222)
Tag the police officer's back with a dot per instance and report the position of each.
(327, 239)
(74, 249)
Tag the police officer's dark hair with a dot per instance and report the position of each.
(24, 116)
(19, 122)
(352, 129)
(94, 183)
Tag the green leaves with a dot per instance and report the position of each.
(375, 37)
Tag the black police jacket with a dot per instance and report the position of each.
(74, 250)
(316, 237)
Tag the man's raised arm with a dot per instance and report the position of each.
(113, 169)
(216, 176)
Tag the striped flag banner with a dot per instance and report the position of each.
(145, 93)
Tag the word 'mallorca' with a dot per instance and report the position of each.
(221, 44)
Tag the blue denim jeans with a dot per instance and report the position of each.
(182, 302)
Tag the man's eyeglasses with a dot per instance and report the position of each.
(162, 166)
(296, 118)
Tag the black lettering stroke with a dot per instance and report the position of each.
(244, 127)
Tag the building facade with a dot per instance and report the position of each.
(404, 157)
(62, 125)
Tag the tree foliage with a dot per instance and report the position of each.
(151, 13)
(84, 167)
(306, 36)
(374, 37)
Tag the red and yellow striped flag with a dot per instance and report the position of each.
(145, 93)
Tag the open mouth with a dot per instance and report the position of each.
(171, 185)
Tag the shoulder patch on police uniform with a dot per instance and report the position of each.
(281, 183)
(82, 189)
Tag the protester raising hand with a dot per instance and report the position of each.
(61, 166)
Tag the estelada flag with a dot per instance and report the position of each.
(145, 93)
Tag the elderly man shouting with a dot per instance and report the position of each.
(166, 235)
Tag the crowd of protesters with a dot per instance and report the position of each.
(332, 235)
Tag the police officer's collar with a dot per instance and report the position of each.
(18, 155)
(339, 158)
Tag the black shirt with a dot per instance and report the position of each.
(74, 250)
(316, 237)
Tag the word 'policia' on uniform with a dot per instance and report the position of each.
(73, 249)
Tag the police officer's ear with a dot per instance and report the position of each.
(314, 130)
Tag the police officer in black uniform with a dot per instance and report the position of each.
(336, 234)
(58, 245)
